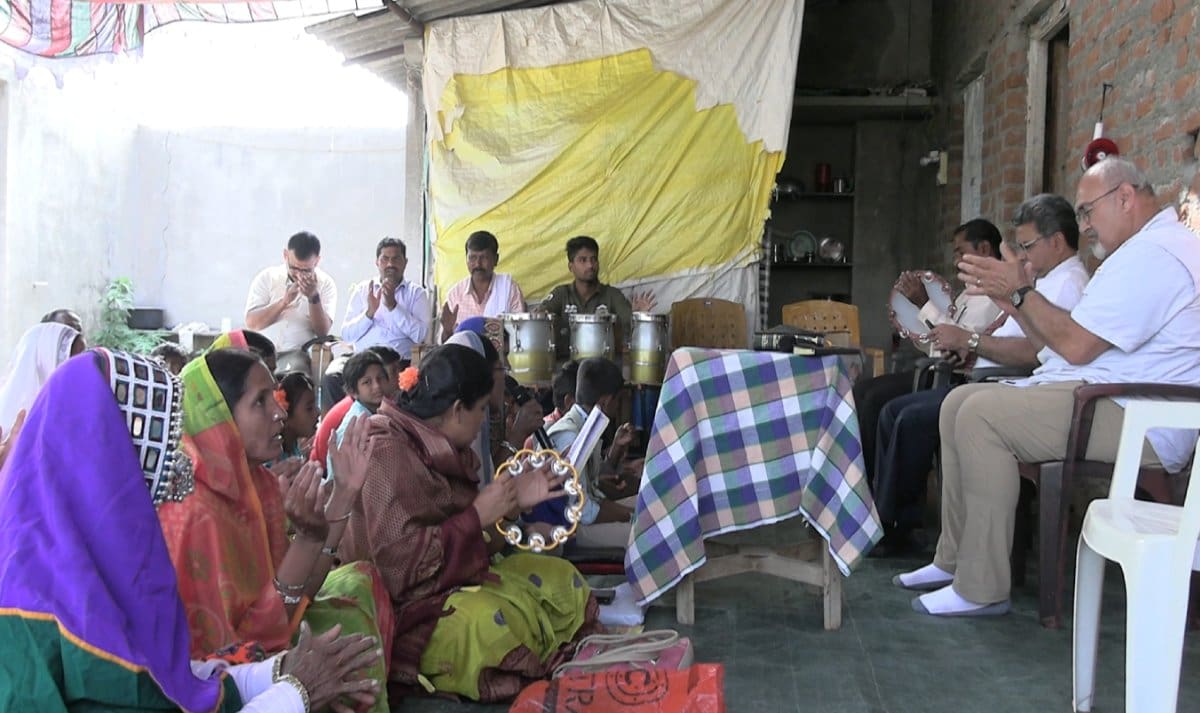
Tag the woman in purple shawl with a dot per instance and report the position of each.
(90, 614)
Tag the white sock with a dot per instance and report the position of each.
(621, 613)
(930, 574)
(948, 601)
(624, 593)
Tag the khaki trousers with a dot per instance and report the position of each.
(986, 430)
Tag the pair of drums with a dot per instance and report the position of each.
(531, 344)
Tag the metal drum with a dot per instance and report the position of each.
(648, 347)
(530, 347)
(591, 336)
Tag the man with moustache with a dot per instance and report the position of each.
(484, 292)
(1137, 321)
(389, 310)
(585, 294)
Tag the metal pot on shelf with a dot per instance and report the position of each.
(831, 250)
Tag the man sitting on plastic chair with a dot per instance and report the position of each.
(1137, 322)
(1047, 237)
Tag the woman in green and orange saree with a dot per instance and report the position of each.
(245, 586)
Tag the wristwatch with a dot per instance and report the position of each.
(973, 342)
(1018, 297)
(315, 299)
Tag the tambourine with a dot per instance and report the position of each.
(906, 317)
(516, 466)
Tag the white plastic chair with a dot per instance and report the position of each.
(1155, 545)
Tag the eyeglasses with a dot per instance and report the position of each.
(1025, 246)
(1084, 211)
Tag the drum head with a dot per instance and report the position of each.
(577, 318)
(524, 317)
(649, 317)
(905, 315)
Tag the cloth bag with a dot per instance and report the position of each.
(661, 648)
(699, 689)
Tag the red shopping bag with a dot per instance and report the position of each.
(699, 689)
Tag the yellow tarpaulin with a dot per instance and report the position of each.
(625, 120)
(611, 148)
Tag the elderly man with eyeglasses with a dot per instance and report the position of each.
(1138, 321)
(294, 302)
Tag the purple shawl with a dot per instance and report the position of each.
(80, 540)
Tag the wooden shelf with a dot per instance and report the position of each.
(832, 109)
(813, 196)
(794, 265)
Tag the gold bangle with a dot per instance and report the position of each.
(292, 680)
(277, 668)
(339, 519)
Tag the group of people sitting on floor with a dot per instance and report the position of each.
(266, 558)
(1030, 304)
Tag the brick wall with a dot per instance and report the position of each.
(1148, 49)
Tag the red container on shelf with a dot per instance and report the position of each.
(824, 178)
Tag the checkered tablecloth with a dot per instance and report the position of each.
(742, 439)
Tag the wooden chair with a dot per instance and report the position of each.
(1055, 480)
(826, 316)
(709, 322)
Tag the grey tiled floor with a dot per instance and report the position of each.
(887, 658)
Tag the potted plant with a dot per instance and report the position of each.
(114, 331)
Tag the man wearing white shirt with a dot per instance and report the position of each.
(484, 292)
(1047, 236)
(1137, 321)
(391, 310)
(971, 312)
(294, 302)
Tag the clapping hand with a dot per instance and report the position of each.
(329, 666)
(307, 281)
(352, 456)
(623, 438)
(285, 472)
(913, 289)
(997, 279)
(374, 297)
(449, 319)
(304, 502)
(534, 487)
(497, 500)
(387, 289)
(643, 301)
(291, 292)
(523, 421)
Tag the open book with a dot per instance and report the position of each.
(588, 439)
